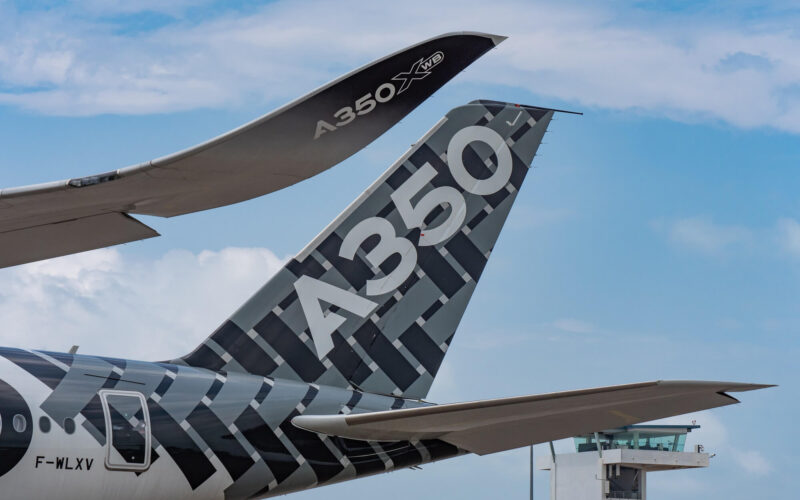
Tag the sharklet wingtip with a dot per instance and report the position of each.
(496, 39)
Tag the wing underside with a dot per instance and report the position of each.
(491, 426)
(286, 146)
(70, 236)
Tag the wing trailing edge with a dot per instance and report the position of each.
(490, 426)
(66, 237)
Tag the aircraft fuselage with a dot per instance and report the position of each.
(86, 426)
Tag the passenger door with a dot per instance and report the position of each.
(128, 441)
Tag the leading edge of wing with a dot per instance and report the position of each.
(490, 426)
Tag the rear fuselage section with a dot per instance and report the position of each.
(80, 426)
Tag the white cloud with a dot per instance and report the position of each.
(574, 325)
(702, 234)
(752, 462)
(714, 437)
(712, 434)
(121, 7)
(112, 304)
(789, 235)
(59, 62)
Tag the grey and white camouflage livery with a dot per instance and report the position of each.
(318, 378)
(218, 434)
(396, 344)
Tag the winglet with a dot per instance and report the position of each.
(741, 387)
(496, 39)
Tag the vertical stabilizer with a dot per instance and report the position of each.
(374, 300)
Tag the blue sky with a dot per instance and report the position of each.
(657, 238)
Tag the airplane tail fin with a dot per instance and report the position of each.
(373, 302)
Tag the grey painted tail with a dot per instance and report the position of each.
(373, 301)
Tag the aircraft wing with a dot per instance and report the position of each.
(494, 425)
(292, 143)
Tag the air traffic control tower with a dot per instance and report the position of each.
(615, 463)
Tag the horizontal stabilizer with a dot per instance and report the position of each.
(494, 425)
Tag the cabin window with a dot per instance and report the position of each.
(69, 425)
(44, 424)
(20, 423)
(127, 430)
